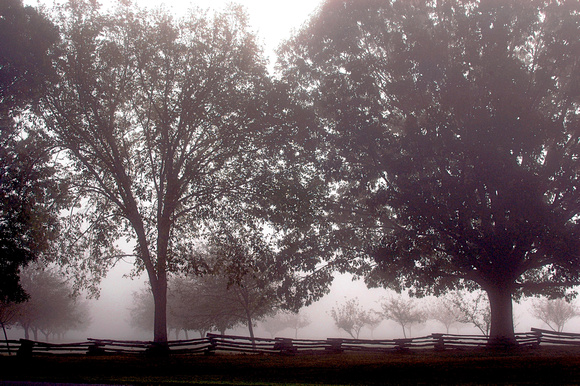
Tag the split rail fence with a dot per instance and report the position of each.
(214, 343)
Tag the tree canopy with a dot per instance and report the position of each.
(449, 135)
(165, 122)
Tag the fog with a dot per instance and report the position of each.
(109, 314)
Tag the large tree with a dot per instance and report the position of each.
(29, 192)
(451, 141)
(163, 119)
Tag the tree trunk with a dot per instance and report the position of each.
(251, 328)
(502, 326)
(159, 290)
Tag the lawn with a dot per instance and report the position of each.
(540, 366)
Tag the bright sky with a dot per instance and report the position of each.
(273, 20)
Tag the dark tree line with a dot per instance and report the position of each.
(428, 146)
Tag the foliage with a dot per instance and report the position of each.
(554, 312)
(448, 132)
(25, 68)
(30, 195)
(165, 121)
(403, 311)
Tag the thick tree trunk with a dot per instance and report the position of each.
(502, 325)
(160, 317)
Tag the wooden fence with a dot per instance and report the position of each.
(214, 343)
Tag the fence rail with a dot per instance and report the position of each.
(214, 343)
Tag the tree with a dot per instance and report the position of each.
(164, 123)
(403, 311)
(554, 312)
(284, 320)
(25, 67)
(30, 194)
(51, 307)
(297, 321)
(446, 312)
(474, 309)
(450, 138)
(350, 317)
(374, 319)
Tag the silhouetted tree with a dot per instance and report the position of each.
(449, 134)
(29, 192)
(163, 119)
(554, 312)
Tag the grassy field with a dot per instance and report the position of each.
(541, 366)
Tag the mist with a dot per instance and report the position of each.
(110, 315)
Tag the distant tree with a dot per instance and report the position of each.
(448, 132)
(297, 321)
(30, 195)
(165, 122)
(474, 308)
(141, 310)
(403, 311)
(285, 320)
(554, 312)
(350, 316)
(374, 319)
(51, 307)
(274, 324)
(446, 312)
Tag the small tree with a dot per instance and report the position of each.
(554, 312)
(446, 312)
(474, 309)
(403, 311)
(284, 320)
(374, 319)
(350, 317)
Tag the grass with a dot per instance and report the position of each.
(540, 366)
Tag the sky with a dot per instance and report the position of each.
(273, 21)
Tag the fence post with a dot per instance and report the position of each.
(402, 345)
(439, 342)
(285, 346)
(25, 349)
(96, 348)
(334, 345)
(212, 345)
(538, 335)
